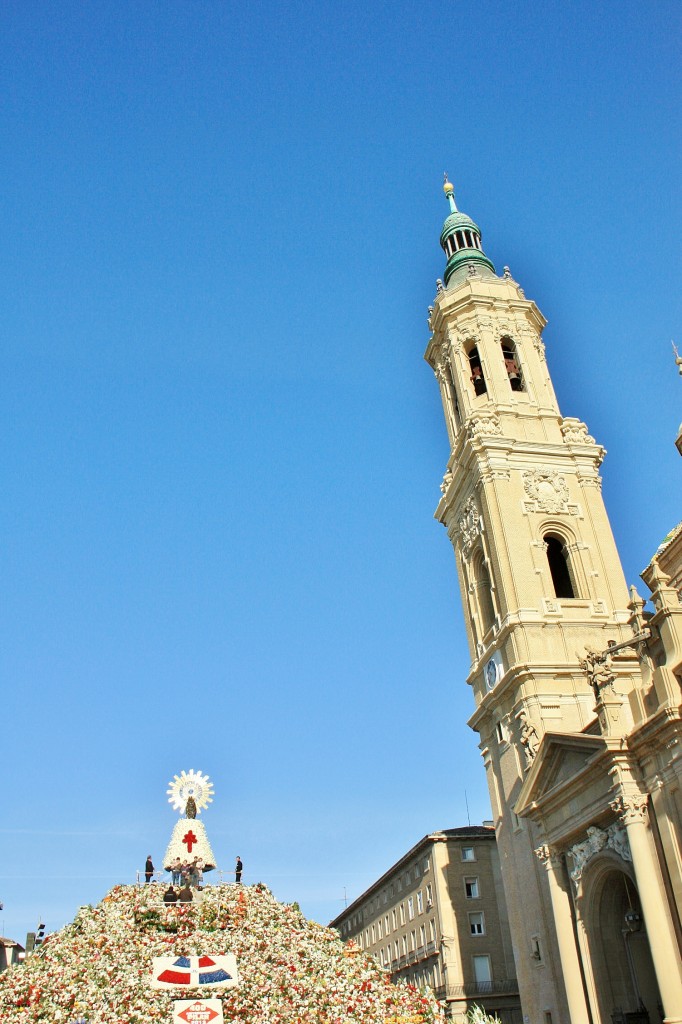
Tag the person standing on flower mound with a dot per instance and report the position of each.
(176, 871)
(170, 895)
(148, 869)
(238, 868)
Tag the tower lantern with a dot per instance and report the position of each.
(461, 242)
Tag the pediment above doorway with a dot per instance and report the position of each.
(561, 760)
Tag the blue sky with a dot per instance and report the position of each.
(221, 447)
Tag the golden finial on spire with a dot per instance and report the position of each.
(449, 190)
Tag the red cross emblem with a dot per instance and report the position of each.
(189, 839)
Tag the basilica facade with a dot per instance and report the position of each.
(576, 685)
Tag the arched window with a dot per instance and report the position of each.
(484, 593)
(477, 378)
(557, 557)
(511, 364)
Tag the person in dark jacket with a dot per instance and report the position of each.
(238, 868)
(185, 895)
(170, 895)
(148, 869)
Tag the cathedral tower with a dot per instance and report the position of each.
(540, 580)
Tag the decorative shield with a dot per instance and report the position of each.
(209, 972)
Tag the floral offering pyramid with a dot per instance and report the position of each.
(101, 969)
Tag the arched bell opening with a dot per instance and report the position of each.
(623, 971)
(477, 376)
(511, 364)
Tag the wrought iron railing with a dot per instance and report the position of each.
(504, 987)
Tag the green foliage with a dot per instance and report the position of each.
(477, 1015)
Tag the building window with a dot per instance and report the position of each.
(477, 378)
(396, 954)
(557, 556)
(476, 924)
(393, 920)
(422, 936)
(468, 853)
(410, 908)
(386, 928)
(374, 934)
(403, 944)
(416, 872)
(482, 972)
(471, 888)
(511, 364)
(501, 732)
(420, 902)
(427, 863)
(432, 924)
(429, 895)
(402, 913)
(413, 940)
(484, 591)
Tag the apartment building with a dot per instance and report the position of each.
(438, 918)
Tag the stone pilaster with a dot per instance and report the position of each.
(568, 953)
(632, 811)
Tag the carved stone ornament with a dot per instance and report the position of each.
(613, 838)
(630, 809)
(547, 491)
(454, 339)
(486, 423)
(469, 524)
(539, 346)
(548, 855)
(440, 372)
(575, 432)
(446, 481)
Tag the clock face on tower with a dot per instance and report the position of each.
(490, 674)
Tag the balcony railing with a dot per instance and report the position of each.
(504, 987)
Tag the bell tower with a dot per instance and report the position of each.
(538, 569)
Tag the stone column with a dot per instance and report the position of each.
(632, 811)
(563, 923)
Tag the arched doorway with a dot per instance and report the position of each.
(621, 964)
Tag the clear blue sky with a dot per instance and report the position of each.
(220, 446)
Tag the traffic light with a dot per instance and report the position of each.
(40, 933)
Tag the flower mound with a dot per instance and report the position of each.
(292, 971)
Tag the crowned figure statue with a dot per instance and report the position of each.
(191, 793)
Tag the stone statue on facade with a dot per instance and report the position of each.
(529, 738)
(597, 667)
